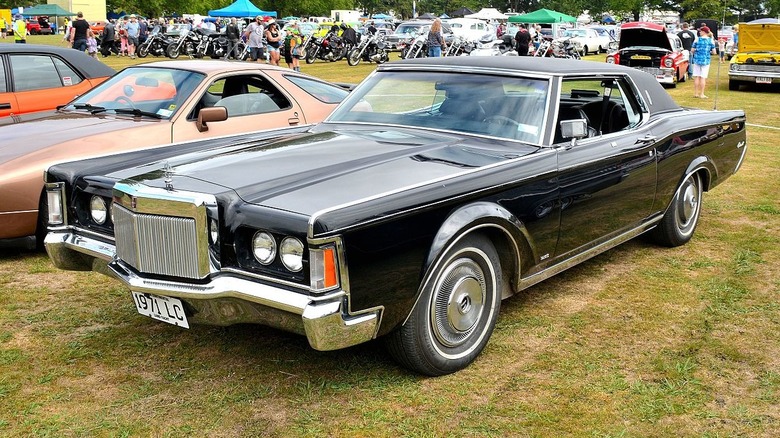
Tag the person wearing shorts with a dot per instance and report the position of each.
(701, 52)
(133, 29)
(274, 39)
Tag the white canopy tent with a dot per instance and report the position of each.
(488, 14)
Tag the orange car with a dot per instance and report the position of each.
(97, 26)
(41, 78)
(144, 106)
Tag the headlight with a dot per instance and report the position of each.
(668, 62)
(213, 231)
(291, 252)
(610, 59)
(264, 247)
(98, 210)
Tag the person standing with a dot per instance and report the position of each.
(78, 32)
(133, 30)
(233, 34)
(254, 36)
(522, 40)
(702, 50)
(3, 24)
(687, 38)
(435, 40)
(92, 47)
(20, 30)
(107, 41)
(274, 39)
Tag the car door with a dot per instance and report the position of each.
(608, 180)
(41, 82)
(8, 103)
(253, 101)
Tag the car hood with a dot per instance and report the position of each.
(31, 133)
(644, 37)
(759, 37)
(322, 168)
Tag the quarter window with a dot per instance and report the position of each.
(3, 86)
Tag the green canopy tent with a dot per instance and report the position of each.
(47, 11)
(543, 16)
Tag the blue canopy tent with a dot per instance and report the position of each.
(240, 8)
(381, 16)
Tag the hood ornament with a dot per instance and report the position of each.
(168, 174)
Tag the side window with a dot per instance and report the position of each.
(35, 72)
(68, 75)
(243, 95)
(321, 91)
(3, 87)
(585, 99)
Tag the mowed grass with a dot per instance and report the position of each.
(640, 341)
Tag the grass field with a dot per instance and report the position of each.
(640, 341)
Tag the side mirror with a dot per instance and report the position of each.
(212, 114)
(576, 128)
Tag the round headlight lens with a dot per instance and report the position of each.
(213, 231)
(668, 62)
(98, 210)
(264, 247)
(610, 60)
(291, 251)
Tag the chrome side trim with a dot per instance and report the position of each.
(535, 278)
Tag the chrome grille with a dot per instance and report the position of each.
(758, 68)
(155, 244)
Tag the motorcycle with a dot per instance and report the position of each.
(565, 48)
(488, 45)
(185, 44)
(371, 48)
(331, 48)
(155, 44)
(416, 47)
(458, 47)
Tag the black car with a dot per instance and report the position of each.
(438, 188)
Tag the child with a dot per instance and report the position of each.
(91, 44)
(722, 49)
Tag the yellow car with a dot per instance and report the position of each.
(757, 60)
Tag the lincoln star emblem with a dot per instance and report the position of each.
(168, 177)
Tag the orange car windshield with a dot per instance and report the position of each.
(157, 92)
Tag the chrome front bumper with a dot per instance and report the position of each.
(228, 298)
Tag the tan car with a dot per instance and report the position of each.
(150, 105)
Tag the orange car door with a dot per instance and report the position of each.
(253, 103)
(7, 100)
(42, 82)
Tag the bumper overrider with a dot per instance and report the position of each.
(227, 296)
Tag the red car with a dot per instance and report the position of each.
(650, 48)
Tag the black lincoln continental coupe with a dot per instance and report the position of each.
(436, 189)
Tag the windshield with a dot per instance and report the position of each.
(408, 29)
(506, 107)
(574, 33)
(153, 91)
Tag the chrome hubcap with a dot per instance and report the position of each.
(459, 302)
(688, 205)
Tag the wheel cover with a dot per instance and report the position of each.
(688, 205)
(459, 302)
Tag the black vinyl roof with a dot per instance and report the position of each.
(87, 65)
(653, 93)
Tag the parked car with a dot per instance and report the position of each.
(33, 27)
(648, 47)
(587, 40)
(97, 26)
(437, 188)
(471, 29)
(757, 60)
(407, 30)
(147, 105)
(40, 77)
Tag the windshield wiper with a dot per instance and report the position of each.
(137, 112)
(91, 108)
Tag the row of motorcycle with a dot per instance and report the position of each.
(488, 45)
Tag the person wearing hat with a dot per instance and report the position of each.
(20, 30)
(687, 37)
(78, 33)
(274, 39)
(254, 37)
(701, 53)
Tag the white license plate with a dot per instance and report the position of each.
(165, 309)
(763, 80)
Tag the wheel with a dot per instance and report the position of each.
(353, 57)
(602, 50)
(679, 222)
(733, 85)
(585, 50)
(172, 51)
(311, 55)
(456, 312)
(143, 51)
